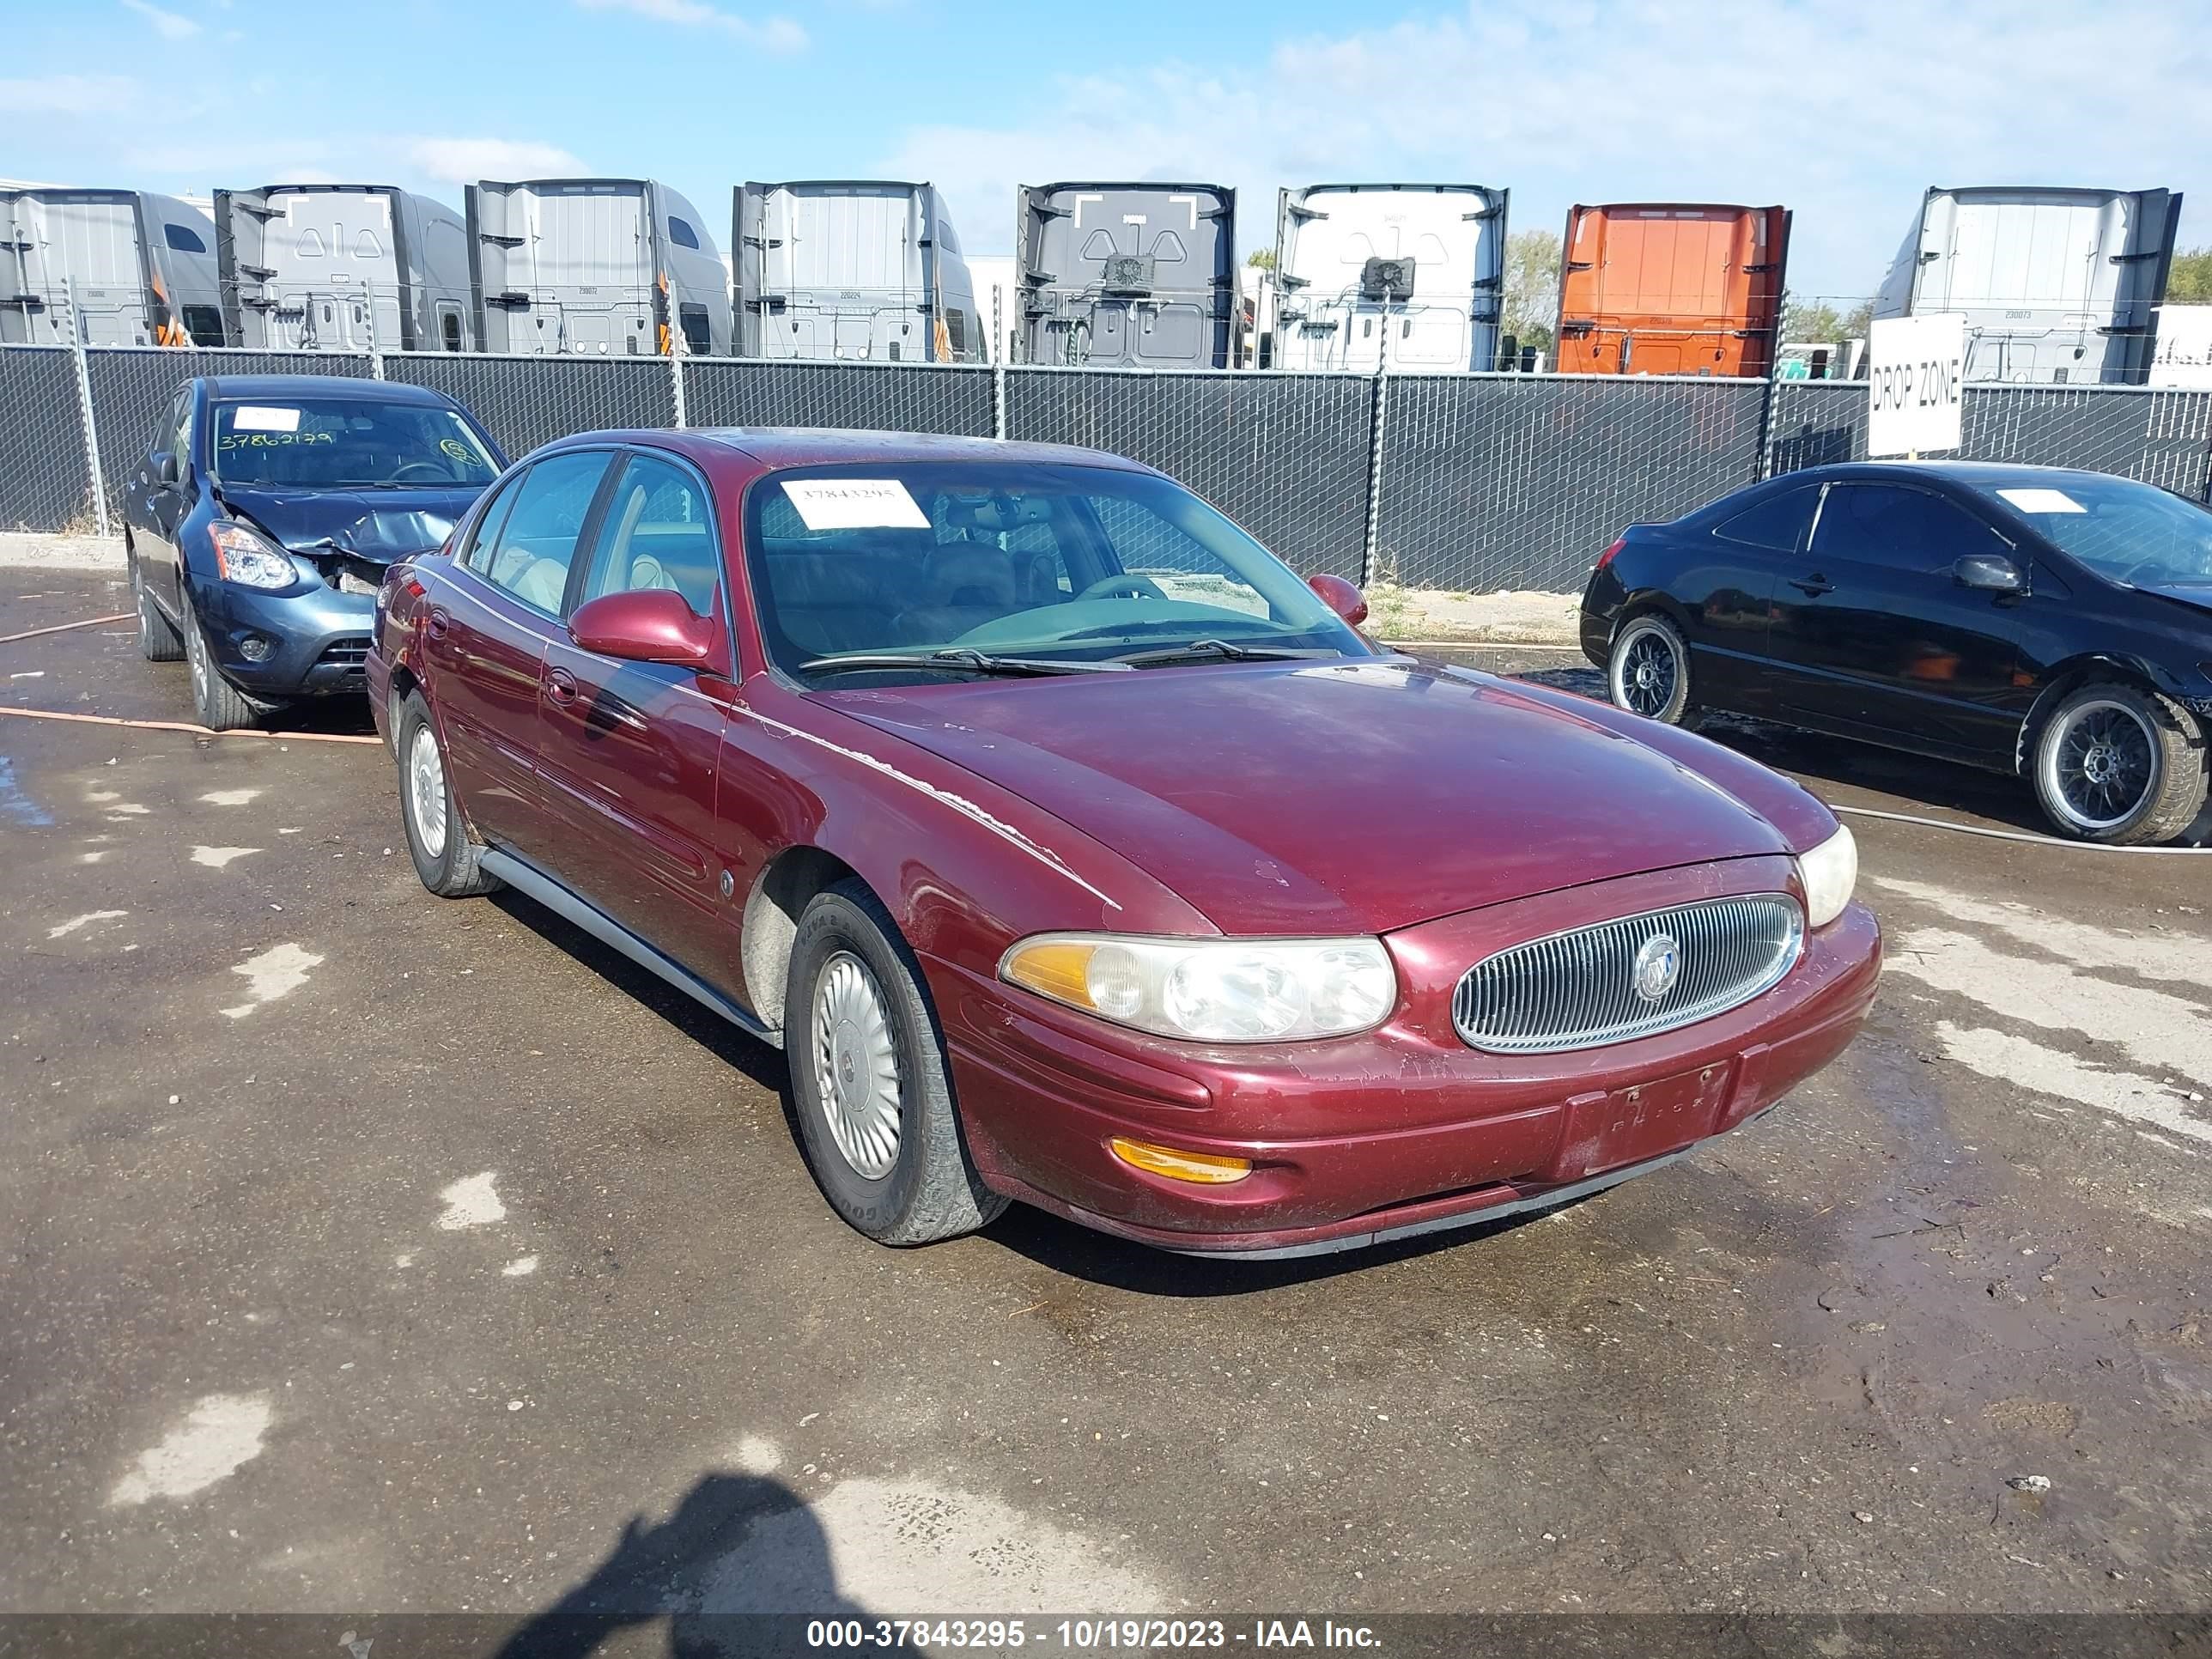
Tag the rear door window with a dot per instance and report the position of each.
(1778, 524)
(657, 531)
(1900, 529)
(537, 542)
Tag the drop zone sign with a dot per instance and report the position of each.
(1914, 368)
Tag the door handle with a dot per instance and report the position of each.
(1814, 585)
(560, 686)
(437, 623)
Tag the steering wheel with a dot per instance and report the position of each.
(2127, 577)
(438, 474)
(1123, 585)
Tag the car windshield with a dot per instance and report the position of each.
(995, 563)
(348, 443)
(2131, 532)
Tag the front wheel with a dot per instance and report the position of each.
(868, 1078)
(220, 706)
(1649, 670)
(2119, 766)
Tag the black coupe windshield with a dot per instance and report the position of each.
(2131, 532)
(347, 443)
(1041, 564)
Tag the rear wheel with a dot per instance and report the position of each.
(437, 838)
(1649, 670)
(868, 1077)
(221, 706)
(158, 639)
(2120, 766)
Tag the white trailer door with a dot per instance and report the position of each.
(92, 243)
(330, 255)
(591, 272)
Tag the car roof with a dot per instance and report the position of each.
(318, 385)
(779, 447)
(1978, 475)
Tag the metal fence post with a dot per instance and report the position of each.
(1764, 466)
(1367, 542)
(998, 400)
(676, 377)
(84, 407)
(375, 345)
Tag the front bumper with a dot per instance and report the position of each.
(318, 637)
(1401, 1130)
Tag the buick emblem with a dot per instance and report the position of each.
(1658, 964)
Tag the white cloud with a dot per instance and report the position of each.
(465, 160)
(1844, 110)
(770, 35)
(68, 94)
(169, 24)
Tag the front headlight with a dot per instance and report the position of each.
(1213, 990)
(1829, 872)
(241, 555)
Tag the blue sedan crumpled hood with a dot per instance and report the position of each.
(2198, 595)
(374, 526)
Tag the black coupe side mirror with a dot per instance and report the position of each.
(1991, 573)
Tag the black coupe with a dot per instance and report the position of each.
(2050, 623)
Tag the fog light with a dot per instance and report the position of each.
(254, 648)
(1206, 1169)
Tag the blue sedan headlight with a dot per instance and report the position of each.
(252, 560)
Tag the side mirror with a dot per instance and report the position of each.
(165, 467)
(647, 624)
(1339, 596)
(1989, 572)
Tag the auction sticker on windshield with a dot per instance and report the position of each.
(855, 504)
(2043, 501)
(253, 417)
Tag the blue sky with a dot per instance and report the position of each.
(1843, 110)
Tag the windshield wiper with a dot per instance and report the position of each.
(959, 659)
(1223, 650)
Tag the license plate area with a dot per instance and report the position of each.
(1627, 1125)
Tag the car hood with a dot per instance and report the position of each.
(374, 526)
(1348, 797)
(2196, 595)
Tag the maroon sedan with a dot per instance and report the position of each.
(1078, 852)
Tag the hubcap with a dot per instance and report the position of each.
(1644, 683)
(2100, 764)
(195, 658)
(426, 792)
(856, 1066)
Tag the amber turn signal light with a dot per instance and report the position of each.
(1206, 1169)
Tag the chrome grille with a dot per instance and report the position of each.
(1578, 989)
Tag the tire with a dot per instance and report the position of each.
(158, 639)
(2120, 766)
(887, 1152)
(1648, 671)
(446, 859)
(221, 706)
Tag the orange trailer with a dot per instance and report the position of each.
(1664, 288)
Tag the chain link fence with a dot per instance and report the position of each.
(2161, 437)
(1466, 482)
(1501, 482)
(1285, 455)
(45, 483)
(958, 402)
(525, 402)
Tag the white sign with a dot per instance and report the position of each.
(252, 417)
(1915, 368)
(855, 504)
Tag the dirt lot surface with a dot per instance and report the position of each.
(365, 1252)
